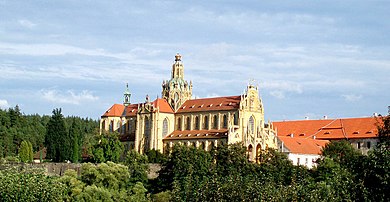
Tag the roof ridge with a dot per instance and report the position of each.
(216, 97)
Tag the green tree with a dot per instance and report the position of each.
(25, 152)
(58, 141)
(76, 135)
(106, 147)
(138, 167)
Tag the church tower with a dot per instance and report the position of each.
(126, 96)
(176, 90)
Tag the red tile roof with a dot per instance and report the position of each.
(115, 111)
(298, 145)
(131, 110)
(328, 129)
(210, 104)
(163, 105)
(197, 134)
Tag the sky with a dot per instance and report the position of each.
(309, 58)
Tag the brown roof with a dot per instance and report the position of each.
(346, 128)
(299, 145)
(115, 111)
(197, 134)
(210, 104)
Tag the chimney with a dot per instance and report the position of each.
(306, 118)
(375, 114)
(325, 117)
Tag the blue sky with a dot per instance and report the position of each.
(309, 58)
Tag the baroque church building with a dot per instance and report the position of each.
(176, 118)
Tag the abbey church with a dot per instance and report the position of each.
(176, 118)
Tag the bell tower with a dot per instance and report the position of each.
(126, 96)
(176, 90)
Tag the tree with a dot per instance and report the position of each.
(58, 142)
(106, 147)
(25, 152)
(384, 129)
(342, 152)
(75, 134)
(138, 167)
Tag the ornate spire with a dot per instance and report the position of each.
(176, 91)
(126, 96)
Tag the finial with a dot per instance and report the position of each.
(177, 57)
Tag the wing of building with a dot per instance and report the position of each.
(301, 151)
(176, 118)
(362, 133)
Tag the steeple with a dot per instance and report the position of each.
(177, 67)
(176, 91)
(126, 96)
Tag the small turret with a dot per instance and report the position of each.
(126, 96)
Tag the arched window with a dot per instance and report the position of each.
(225, 121)
(104, 125)
(194, 144)
(206, 123)
(188, 125)
(146, 126)
(235, 117)
(165, 128)
(215, 122)
(197, 123)
(178, 123)
(251, 125)
(111, 127)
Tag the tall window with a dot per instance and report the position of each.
(215, 122)
(165, 128)
(188, 126)
(235, 118)
(104, 125)
(197, 123)
(251, 125)
(206, 123)
(179, 123)
(129, 122)
(225, 121)
(147, 126)
(111, 128)
(123, 130)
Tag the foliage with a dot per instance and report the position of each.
(25, 152)
(155, 156)
(384, 129)
(57, 140)
(16, 127)
(29, 186)
(102, 182)
(138, 167)
(106, 147)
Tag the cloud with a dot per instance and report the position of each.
(27, 24)
(352, 97)
(277, 94)
(282, 86)
(4, 104)
(70, 97)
